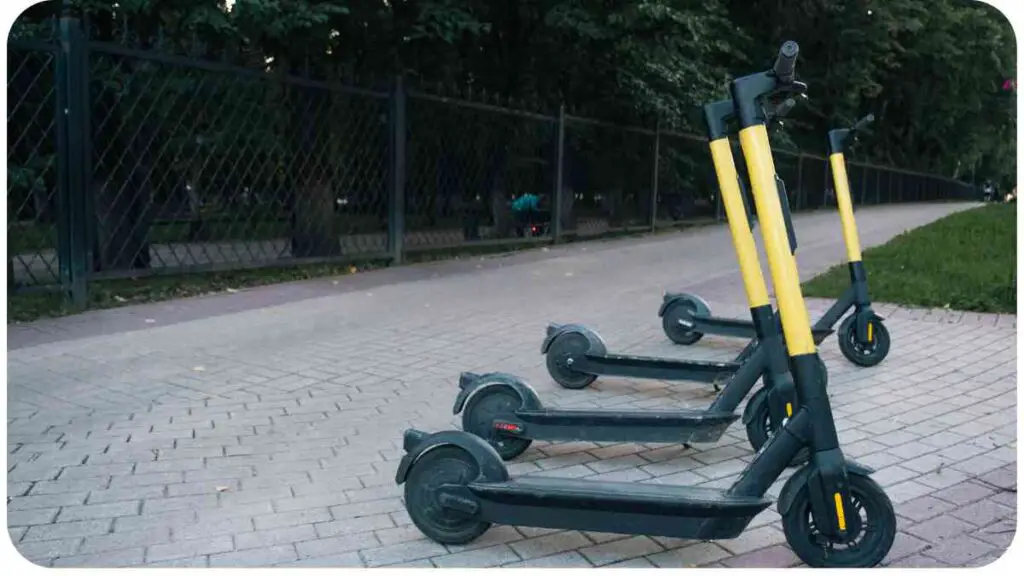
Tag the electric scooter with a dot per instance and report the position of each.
(863, 338)
(833, 513)
(576, 355)
(506, 411)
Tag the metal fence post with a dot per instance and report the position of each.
(557, 200)
(654, 177)
(396, 172)
(72, 90)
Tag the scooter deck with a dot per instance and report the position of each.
(653, 368)
(622, 507)
(661, 426)
(745, 329)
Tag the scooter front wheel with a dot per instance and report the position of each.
(436, 468)
(871, 529)
(864, 354)
(488, 405)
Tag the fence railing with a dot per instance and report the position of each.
(126, 162)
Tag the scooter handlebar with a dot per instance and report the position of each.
(863, 122)
(785, 63)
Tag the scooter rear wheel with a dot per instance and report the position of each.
(444, 465)
(484, 408)
(866, 355)
(871, 525)
(676, 332)
(559, 358)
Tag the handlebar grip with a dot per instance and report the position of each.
(863, 122)
(784, 108)
(785, 63)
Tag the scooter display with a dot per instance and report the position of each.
(506, 411)
(833, 513)
(863, 338)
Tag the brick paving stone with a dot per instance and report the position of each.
(923, 508)
(550, 544)
(118, 559)
(31, 517)
(337, 545)
(940, 528)
(696, 555)
(479, 558)
(959, 551)
(403, 552)
(964, 493)
(905, 545)
(755, 539)
(918, 561)
(265, 556)
(48, 549)
(68, 530)
(771, 557)
(346, 560)
(632, 563)
(984, 512)
(126, 540)
(268, 538)
(189, 548)
(96, 511)
(563, 560)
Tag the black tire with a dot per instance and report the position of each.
(874, 529)
(574, 344)
(760, 427)
(481, 411)
(860, 354)
(445, 465)
(680, 309)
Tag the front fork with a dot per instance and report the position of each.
(782, 397)
(863, 329)
(828, 486)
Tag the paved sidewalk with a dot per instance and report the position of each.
(263, 428)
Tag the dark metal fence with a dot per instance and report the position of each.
(125, 161)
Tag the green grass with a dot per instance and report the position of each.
(966, 261)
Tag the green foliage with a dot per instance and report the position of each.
(966, 261)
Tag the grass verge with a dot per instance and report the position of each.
(965, 261)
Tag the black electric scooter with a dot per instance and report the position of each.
(863, 338)
(576, 355)
(833, 513)
(507, 412)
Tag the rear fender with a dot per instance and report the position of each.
(670, 299)
(597, 345)
(470, 384)
(419, 443)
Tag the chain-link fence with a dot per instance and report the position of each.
(126, 161)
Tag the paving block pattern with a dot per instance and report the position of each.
(263, 428)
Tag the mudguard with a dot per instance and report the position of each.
(703, 309)
(597, 345)
(419, 443)
(799, 480)
(470, 384)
